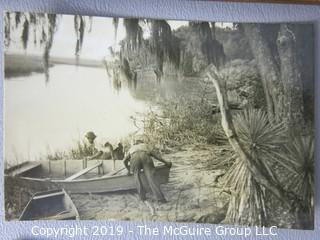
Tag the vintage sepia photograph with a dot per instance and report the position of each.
(158, 120)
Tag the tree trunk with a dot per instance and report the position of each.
(230, 132)
(291, 78)
(268, 68)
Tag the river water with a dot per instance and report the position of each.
(42, 118)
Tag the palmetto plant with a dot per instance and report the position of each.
(288, 163)
(263, 141)
(300, 153)
(247, 202)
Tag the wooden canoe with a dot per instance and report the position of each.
(101, 179)
(50, 205)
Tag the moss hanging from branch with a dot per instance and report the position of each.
(17, 18)
(25, 34)
(115, 22)
(134, 34)
(130, 47)
(52, 21)
(129, 74)
(79, 27)
(46, 23)
(210, 47)
(43, 36)
(164, 45)
(33, 23)
(7, 29)
(33, 18)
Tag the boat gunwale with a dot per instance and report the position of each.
(83, 180)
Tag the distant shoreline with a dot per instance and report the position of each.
(23, 65)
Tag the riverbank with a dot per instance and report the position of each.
(24, 64)
(16, 65)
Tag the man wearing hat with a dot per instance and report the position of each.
(90, 136)
(105, 152)
(140, 157)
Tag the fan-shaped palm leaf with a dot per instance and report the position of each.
(263, 141)
(301, 182)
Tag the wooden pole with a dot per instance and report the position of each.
(84, 163)
(65, 167)
(49, 166)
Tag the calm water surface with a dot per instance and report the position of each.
(43, 118)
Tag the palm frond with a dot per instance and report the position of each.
(263, 141)
(301, 151)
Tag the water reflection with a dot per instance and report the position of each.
(42, 118)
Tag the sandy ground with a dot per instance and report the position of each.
(192, 191)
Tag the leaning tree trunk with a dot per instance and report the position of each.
(268, 68)
(228, 127)
(291, 78)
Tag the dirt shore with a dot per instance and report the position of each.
(192, 191)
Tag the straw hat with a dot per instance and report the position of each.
(90, 135)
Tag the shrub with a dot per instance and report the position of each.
(243, 83)
(183, 121)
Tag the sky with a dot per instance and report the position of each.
(95, 44)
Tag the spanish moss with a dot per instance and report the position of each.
(79, 26)
(133, 34)
(33, 22)
(51, 30)
(17, 18)
(210, 47)
(164, 45)
(7, 29)
(115, 22)
(129, 74)
(25, 34)
(43, 36)
(33, 19)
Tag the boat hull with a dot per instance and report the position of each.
(101, 184)
(50, 205)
